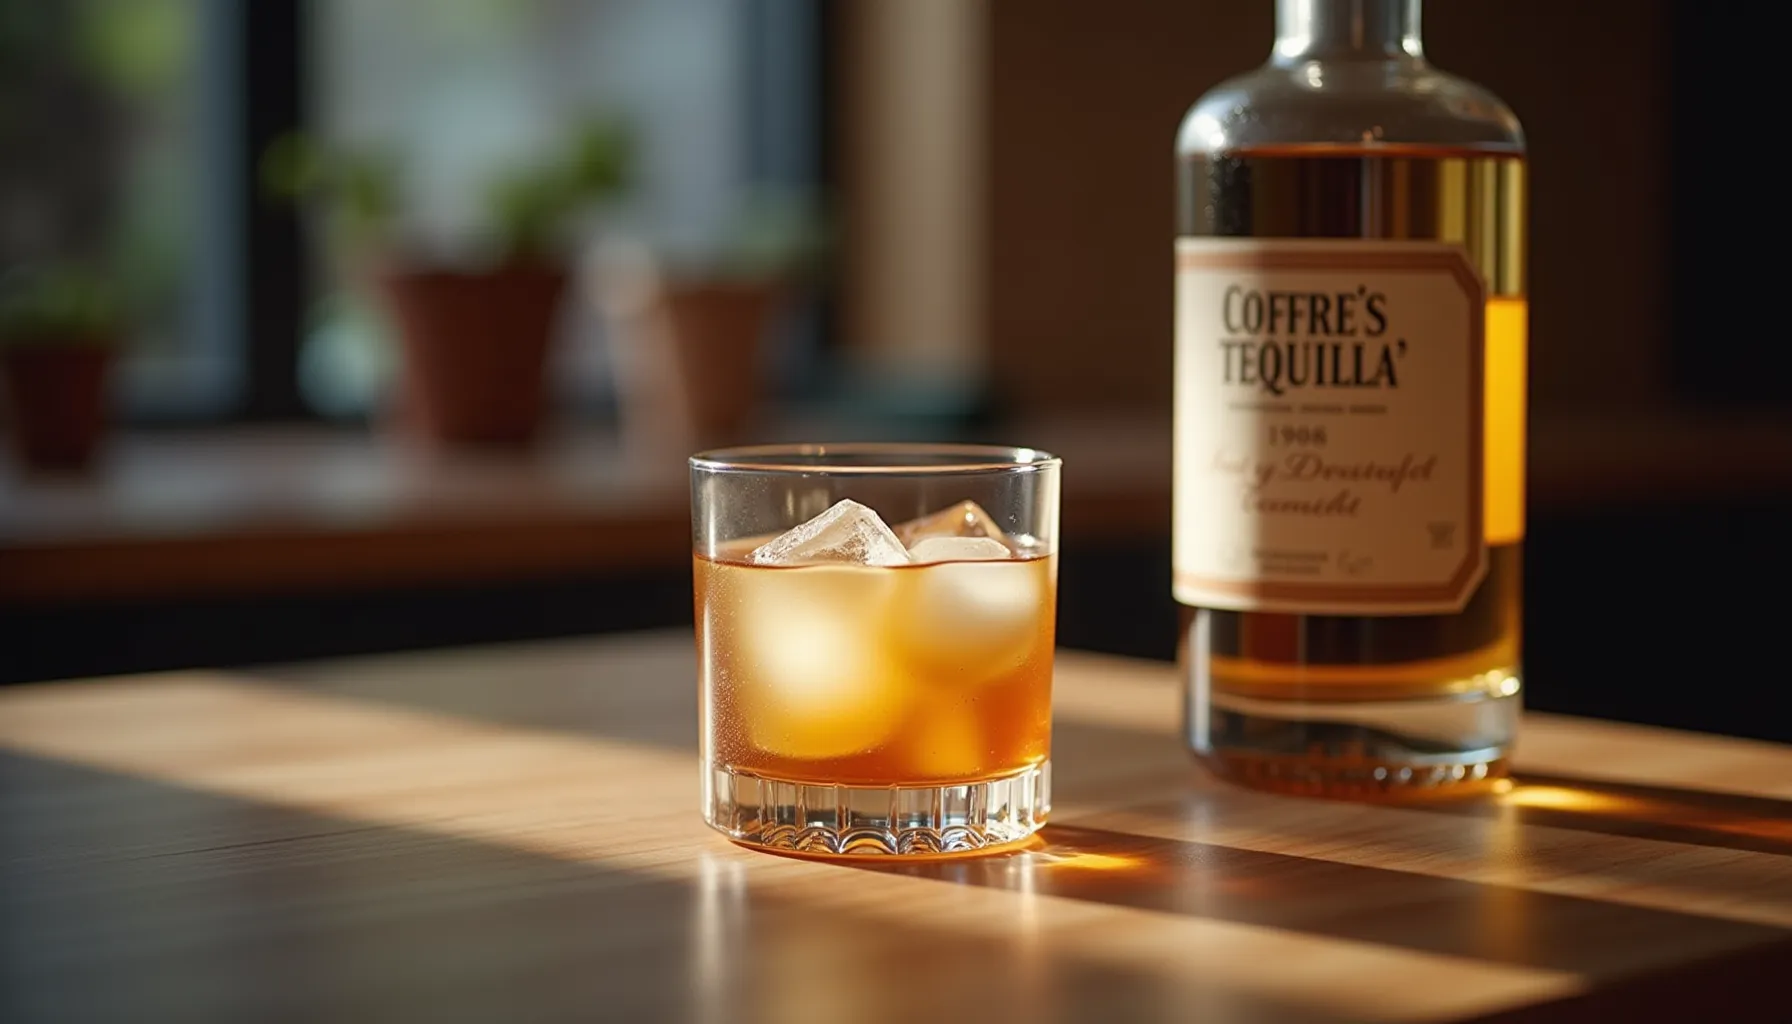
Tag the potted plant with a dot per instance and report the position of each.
(689, 329)
(59, 326)
(475, 340)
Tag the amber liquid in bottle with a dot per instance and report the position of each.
(1385, 704)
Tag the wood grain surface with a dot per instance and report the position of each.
(511, 834)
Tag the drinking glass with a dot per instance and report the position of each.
(875, 627)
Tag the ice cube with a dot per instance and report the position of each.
(970, 622)
(965, 519)
(958, 549)
(812, 680)
(846, 532)
(946, 743)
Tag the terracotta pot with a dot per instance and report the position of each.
(690, 360)
(718, 331)
(475, 351)
(56, 390)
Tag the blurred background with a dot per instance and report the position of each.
(364, 325)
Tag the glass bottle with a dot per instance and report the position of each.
(1350, 414)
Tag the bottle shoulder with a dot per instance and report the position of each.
(1357, 104)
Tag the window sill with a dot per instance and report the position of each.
(269, 510)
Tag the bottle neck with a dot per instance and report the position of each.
(1366, 30)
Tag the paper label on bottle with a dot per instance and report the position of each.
(1328, 438)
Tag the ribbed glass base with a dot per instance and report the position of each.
(803, 817)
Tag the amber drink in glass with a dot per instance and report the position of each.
(875, 627)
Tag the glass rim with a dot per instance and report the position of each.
(811, 459)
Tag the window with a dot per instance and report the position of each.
(108, 114)
(720, 96)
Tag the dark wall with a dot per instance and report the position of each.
(1726, 213)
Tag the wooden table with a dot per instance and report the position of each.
(510, 834)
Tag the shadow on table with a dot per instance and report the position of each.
(132, 899)
(1475, 920)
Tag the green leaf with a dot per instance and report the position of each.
(58, 302)
(357, 189)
